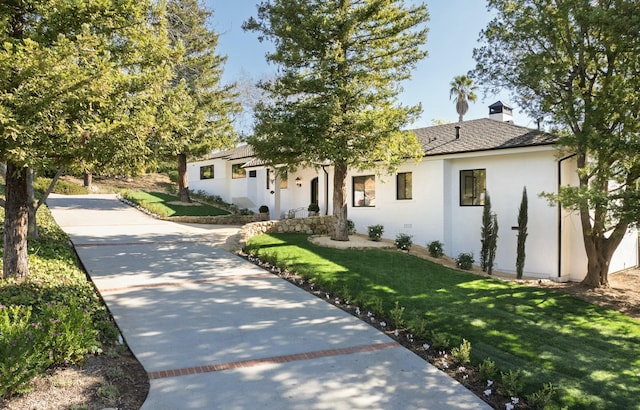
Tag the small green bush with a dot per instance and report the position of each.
(313, 207)
(397, 315)
(263, 209)
(543, 398)
(403, 241)
(462, 353)
(511, 383)
(487, 369)
(351, 227)
(439, 340)
(435, 249)
(173, 176)
(465, 261)
(375, 232)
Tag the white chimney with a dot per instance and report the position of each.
(501, 112)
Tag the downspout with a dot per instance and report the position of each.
(326, 190)
(560, 214)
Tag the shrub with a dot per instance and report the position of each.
(543, 398)
(245, 211)
(439, 340)
(32, 342)
(403, 241)
(397, 315)
(173, 176)
(511, 383)
(465, 261)
(462, 353)
(263, 209)
(487, 369)
(435, 249)
(375, 232)
(351, 227)
(313, 207)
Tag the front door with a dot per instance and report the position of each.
(314, 191)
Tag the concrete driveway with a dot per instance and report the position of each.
(216, 332)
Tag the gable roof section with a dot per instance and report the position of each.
(479, 135)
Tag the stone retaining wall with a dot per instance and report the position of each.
(219, 220)
(315, 225)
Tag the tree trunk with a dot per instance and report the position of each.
(88, 180)
(183, 179)
(341, 231)
(32, 223)
(15, 223)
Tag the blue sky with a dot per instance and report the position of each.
(453, 33)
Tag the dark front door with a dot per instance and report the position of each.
(314, 190)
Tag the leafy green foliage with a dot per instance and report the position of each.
(462, 353)
(375, 232)
(543, 398)
(51, 318)
(576, 64)
(435, 249)
(487, 370)
(465, 261)
(514, 325)
(403, 241)
(511, 383)
(397, 315)
(351, 227)
(340, 65)
(488, 236)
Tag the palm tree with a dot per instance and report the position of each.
(462, 88)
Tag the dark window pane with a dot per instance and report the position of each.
(206, 172)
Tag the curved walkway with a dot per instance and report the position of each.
(216, 332)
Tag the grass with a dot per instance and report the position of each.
(163, 205)
(589, 353)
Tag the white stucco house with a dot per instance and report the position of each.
(439, 198)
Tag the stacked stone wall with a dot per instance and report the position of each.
(314, 225)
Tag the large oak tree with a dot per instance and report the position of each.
(335, 96)
(577, 62)
(78, 82)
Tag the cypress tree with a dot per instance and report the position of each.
(485, 232)
(522, 233)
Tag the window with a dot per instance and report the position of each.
(364, 191)
(284, 179)
(238, 172)
(253, 174)
(206, 172)
(472, 187)
(404, 185)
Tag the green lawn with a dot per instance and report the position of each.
(163, 205)
(590, 354)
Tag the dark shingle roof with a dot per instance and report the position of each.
(475, 135)
(243, 151)
(479, 135)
